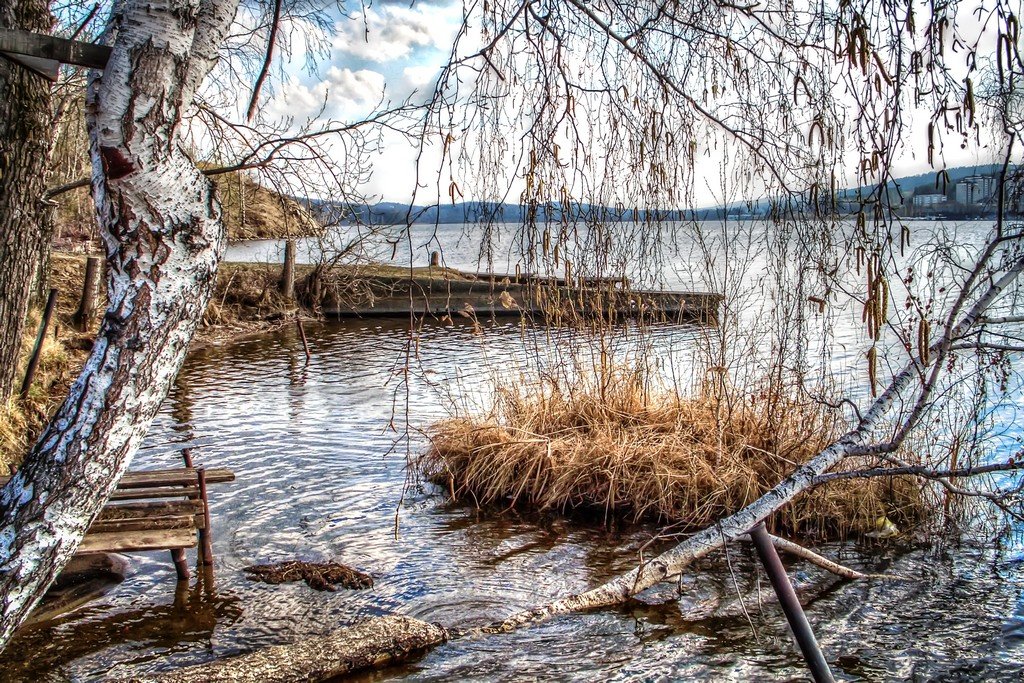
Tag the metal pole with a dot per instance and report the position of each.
(798, 623)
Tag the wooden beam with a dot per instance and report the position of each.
(128, 541)
(47, 68)
(50, 47)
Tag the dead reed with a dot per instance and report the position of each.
(612, 445)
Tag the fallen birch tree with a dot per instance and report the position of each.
(977, 295)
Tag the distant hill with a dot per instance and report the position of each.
(395, 213)
(252, 211)
(907, 184)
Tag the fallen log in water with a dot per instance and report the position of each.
(370, 644)
(321, 576)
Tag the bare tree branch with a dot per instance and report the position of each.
(265, 69)
(925, 471)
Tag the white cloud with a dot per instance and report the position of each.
(394, 32)
(419, 77)
(343, 93)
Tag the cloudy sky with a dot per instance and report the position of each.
(384, 53)
(392, 50)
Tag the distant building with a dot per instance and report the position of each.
(975, 189)
(928, 200)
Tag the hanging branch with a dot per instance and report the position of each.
(266, 61)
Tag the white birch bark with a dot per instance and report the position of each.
(163, 232)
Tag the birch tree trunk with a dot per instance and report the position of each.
(25, 142)
(161, 223)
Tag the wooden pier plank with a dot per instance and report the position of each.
(156, 479)
(133, 541)
(181, 476)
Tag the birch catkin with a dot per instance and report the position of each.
(924, 334)
(873, 368)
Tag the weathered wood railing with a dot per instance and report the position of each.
(158, 510)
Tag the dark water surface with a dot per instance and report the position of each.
(316, 480)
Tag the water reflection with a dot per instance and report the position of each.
(152, 630)
(309, 445)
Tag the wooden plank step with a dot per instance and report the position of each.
(160, 492)
(162, 508)
(129, 541)
(154, 515)
(181, 476)
(116, 526)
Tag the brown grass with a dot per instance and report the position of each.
(22, 421)
(248, 293)
(610, 445)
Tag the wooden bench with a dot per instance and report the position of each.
(157, 510)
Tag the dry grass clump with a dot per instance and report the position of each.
(613, 446)
(247, 293)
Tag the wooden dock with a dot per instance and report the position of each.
(489, 295)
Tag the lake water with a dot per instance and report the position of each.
(319, 478)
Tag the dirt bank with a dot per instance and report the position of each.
(246, 301)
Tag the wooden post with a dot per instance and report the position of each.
(435, 259)
(33, 362)
(178, 554)
(302, 335)
(288, 271)
(86, 312)
(180, 565)
(205, 537)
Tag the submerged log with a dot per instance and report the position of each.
(85, 578)
(372, 643)
(321, 576)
